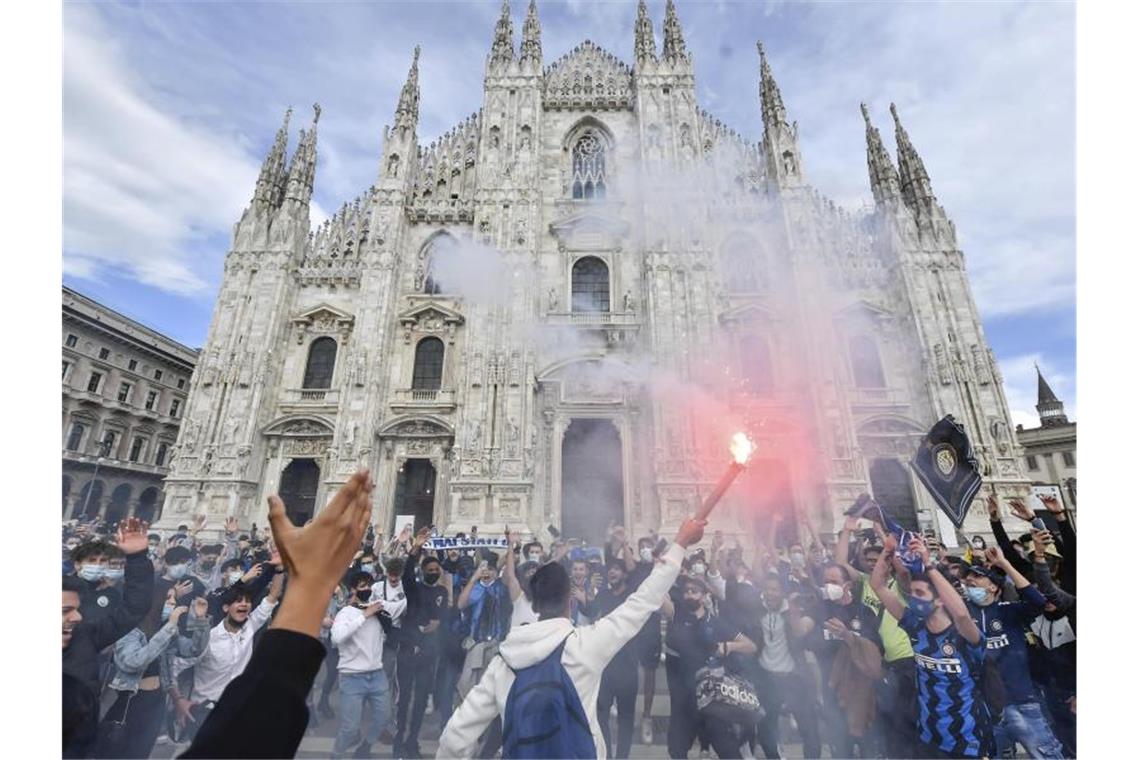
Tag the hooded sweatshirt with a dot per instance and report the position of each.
(587, 652)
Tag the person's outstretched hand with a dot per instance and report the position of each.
(317, 554)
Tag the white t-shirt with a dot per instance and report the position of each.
(359, 639)
(522, 613)
(227, 654)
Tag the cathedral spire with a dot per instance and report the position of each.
(884, 176)
(530, 50)
(1050, 410)
(269, 181)
(503, 47)
(303, 167)
(780, 143)
(644, 46)
(408, 109)
(915, 181)
(673, 49)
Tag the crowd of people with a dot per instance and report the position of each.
(841, 645)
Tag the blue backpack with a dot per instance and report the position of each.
(544, 716)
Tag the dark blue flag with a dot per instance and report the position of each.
(869, 509)
(946, 466)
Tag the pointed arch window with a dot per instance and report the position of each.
(590, 285)
(866, 366)
(589, 166)
(439, 249)
(319, 368)
(427, 374)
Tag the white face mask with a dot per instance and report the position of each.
(797, 559)
(176, 571)
(535, 556)
(832, 592)
(646, 554)
(114, 574)
(233, 576)
(699, 568)
(91, 572)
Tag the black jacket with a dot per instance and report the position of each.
(262, 712)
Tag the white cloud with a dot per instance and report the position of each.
(139, 185)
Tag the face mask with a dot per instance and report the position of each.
(430, 578)
(166, 610)
(208, 564)
(699, 568)
(1053, 615)
(367, 568)
(921, 607)
(976, 595)
(176, 571)
(692, 605)
(114, 575)
(363, 594)
(646, 554)
(486, 583)
(797, 559)
(832, 592)
(534, 557)
(90, 572)
(72, 547)
(233, 576)
(979, 545)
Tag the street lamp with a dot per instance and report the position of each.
(104, 450)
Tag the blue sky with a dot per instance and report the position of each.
(169, 109)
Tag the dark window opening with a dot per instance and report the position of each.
(427, 373)
(322, 359)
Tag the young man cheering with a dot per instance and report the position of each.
(357, 633)
(949, 652)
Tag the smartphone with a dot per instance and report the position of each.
(553, 531)
(1037, 523)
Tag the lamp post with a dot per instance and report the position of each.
(104, 450)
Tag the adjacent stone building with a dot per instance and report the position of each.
(637, 238)
(1051, 449)
(125, 390)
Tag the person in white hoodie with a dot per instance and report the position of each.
(586, 650)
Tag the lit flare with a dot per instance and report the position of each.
(742, 449)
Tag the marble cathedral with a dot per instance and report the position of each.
(335, 348)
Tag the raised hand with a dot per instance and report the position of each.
(318, 553)
(1041, 539)
(131, 538)
(918, 546)
(691, 532)
(992, 507)
(254, 572)
(182, 588)
(838, 629)
(199, 522)
(994, 556)
(422, 535)
(200, 607)
(231, 526)
(177, 613)
(1053, 505)
(1018, 507)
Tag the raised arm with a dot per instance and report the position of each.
(951, 600)
(1043, 579)
(843, 545)
(891, 602)
(998, 529)
(510, 577)
(466, 594)
(138, 587)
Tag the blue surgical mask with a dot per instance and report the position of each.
(921, 607)
(91, 572)
(976, 595)
(114, 574)
(233, 576)
(166, 610)
(367, 568)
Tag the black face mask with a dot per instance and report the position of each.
(430, 578)
(363, 594)
(208, 564)
(692, 605)
(1053, 615)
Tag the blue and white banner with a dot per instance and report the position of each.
(466, 542)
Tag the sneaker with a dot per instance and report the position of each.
(162, 739)
(705, 755)
(646, 730)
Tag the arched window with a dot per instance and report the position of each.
(90, 499)
(427, 375)
(75, 436)
(66, 492)
(439, 257)
(590, 285)
(589, 166)
(741, 260)
(319, 368)
(865, 363)
(891, 487)
(756, 364)
(120, 503)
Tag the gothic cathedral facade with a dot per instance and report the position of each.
(337, 348)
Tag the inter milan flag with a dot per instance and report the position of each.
(945, 463)
(869, 509)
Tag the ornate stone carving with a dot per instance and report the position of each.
(588, 78)
(305, 447)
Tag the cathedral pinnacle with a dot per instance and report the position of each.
(884, 176)
(771, 102)
(408, 109)
(530, 50)
(644, 46)
(673, 49)
(271, 180)
(503, 47)
(780, 145)
(303, 166)
(912, 173)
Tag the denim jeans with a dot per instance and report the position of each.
(1026, 724)
(356, 691)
